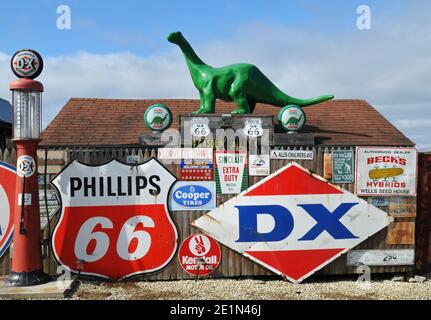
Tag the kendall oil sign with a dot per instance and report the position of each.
(386, 171)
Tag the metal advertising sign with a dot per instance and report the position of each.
(403, 207)
(260, 165)
(185, 153)
(342, 166)
(253, 127)
(231, 171)
(396, 257)
(158, 117)
(292, 118)
(114, 221)
(293, 222)
(196, 195)
(199, 255)
(199, 127)
(292, 154)
(378, 201)
(386, 171)
(194, 170)
(7, 204)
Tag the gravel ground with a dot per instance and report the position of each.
(339, 289)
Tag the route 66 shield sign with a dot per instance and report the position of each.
(114, 220)
(200, 127)
(253, 127)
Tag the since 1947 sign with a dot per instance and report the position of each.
(114, 220)
(293, 222)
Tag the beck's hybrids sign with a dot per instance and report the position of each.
(193, 195)
(114, 220)
(386, 171)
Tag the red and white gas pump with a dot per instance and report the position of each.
(27, 267)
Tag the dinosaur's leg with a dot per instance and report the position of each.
(242, 105)
(251, 105)
(207, 103)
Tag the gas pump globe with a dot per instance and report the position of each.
(27, 266)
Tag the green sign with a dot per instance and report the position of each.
(342, 166)
(292, 118)
(158, 117)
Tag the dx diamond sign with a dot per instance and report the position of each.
(293, 222)
(114, 220)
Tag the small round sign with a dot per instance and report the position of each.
(292, 118)
(26, 166)
(199, 255)
(158, 117)
(27, 63)
(7, 204)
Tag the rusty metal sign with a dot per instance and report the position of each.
(293, 222)
(402, 207)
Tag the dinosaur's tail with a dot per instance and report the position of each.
(309, 102)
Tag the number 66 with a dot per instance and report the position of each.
(86, 234)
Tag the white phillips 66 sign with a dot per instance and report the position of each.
(293, 222)
(114, 219)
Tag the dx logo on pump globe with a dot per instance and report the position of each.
(114, 219)
(27, 63)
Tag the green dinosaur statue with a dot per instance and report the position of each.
(242, 83)
(158, 120)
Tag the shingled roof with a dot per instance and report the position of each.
(104, 122)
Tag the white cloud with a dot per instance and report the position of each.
(388, 66)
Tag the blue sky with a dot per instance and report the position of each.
(118, 49)
(141, 26)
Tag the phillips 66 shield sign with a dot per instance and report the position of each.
(114, 219)
(293, 222)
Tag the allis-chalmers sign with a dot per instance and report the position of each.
(114, 219)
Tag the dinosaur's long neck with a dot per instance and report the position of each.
(194, 63)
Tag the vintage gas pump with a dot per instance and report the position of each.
(27, 267)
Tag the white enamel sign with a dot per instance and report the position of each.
(396, 257)
(293, 222)
(292, 154)
(386, 171)
(259, 165)
(200, 127)
(230, 166)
